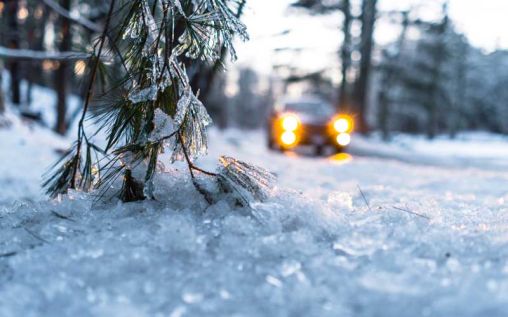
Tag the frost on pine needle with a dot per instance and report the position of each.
(249, 182)
(163, 125)
(143, 95)
(194, 137)
(149, 23)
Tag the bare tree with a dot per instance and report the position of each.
(62, 73)
(390, 72)
(345, 55)
(368, 19)
(440, 54)
(12, 7)
(2, 100)
(343, 6)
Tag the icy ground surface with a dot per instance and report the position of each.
(340, 236)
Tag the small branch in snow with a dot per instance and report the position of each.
(8, 254)
(191, 167)
(54, 213)
(36, 236)
(412, 212)
(364, 198)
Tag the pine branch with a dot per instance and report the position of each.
(153, 107)
(81, 132)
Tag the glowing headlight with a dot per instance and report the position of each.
(343, 139)
(288, 138)
(290, 123)
(341, 125)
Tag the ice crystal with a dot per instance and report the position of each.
(163, 125)
(143, 95)
(201, 39)
(251, 183)
(175, 4)
(133, 30)
(151, 26)
(160, 74)
(193, 120)
(183, 105)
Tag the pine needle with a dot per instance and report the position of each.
(364, 198)
(412, 212)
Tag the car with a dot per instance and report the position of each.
(308, 121)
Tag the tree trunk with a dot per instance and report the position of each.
(345, 55)
(62, 73)
(366, 45)
(433, 126)
(389, 79)
(2, 100)
(461, 90)
(13, 42)
(35, 26)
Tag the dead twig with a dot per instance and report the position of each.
(412, 212)
(364, 198)
(8, 254)
(36, 236)
(54, 213)
(191, 167)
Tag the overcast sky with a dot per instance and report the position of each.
(484, 22)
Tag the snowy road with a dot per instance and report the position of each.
(341, 236)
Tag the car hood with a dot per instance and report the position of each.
(313, 119)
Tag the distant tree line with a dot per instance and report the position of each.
(438, 83)
(41, 42)
(435, 83)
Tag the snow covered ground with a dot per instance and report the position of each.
(412, 228)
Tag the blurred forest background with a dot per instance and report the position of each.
(430, 80)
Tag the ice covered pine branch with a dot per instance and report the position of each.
(152, 108)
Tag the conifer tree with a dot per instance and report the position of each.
(151, 107)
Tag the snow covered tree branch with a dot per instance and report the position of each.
(153, 108)
(25, 54)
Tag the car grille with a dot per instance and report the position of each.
(313, 129)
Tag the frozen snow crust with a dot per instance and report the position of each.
(341, 236)
(291, 256)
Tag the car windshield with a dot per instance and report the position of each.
(310, 108)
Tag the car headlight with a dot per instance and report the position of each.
(290, 123)
(288, 138)
(343, 139)
(343, 124)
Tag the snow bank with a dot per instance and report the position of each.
(26, 151)
(406, 253)
(470, 149)
(341, 236)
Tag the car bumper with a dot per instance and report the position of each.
(316, 135)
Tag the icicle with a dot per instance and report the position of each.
(182, 106)
(250, 182)
(152, 28)
(175, 4)
(193, 119)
